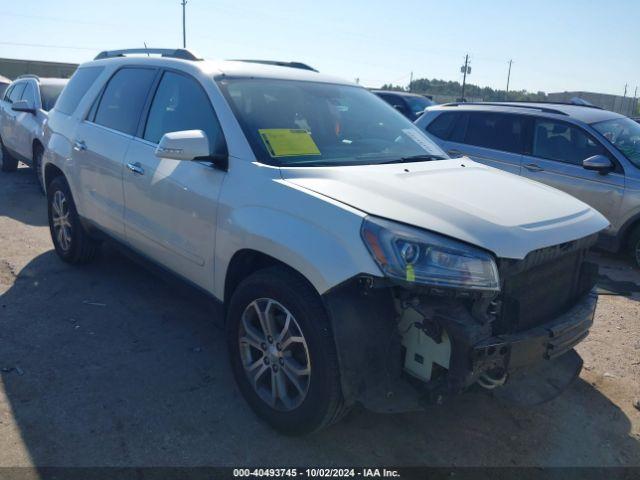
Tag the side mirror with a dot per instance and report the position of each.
(598, 163)
(23, 106)
(184, 145)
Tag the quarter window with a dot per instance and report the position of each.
(77, 87)
(564, 142)
(496, 131)
(179, 104)
(123, 99)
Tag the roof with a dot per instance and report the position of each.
(397, 92)
(225, 68)
(4, 80)
(586, 114)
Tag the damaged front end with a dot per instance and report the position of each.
(402, 344)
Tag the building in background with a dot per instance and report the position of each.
(625, 105)
(13, 68)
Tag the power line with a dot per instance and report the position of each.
(41, 45)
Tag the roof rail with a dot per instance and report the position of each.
(181, 53)
(28, 75)
(498, 104)
(278, 63)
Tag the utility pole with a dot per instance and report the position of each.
(465, 69)
(410, 80)
(184, 24)
(506, 95)
(625, 90)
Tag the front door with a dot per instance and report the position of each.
(558, 149)
(171, 205)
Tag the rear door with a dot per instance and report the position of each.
(101, 143)
(493, 138)
(557, 151)
(172, 205)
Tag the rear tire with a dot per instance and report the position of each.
(37, 167)
(634, 246)
(7, 162)
(71, 241)
(302, 402)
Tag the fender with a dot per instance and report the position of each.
(312, 236)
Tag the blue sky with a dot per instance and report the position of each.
(556, 45)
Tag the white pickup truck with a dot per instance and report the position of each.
(356, 261)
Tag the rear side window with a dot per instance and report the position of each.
(179, 104)
(497, 131)
(7, 93)
(16, 92)
(123, 99)
(564, 142)
(77, 88)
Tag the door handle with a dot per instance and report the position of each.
(455, 153)
(136, 168)
(79, 146)
(532, 167)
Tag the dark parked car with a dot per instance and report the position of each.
(411, 105)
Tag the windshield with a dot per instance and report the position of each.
(296, 123)
(624, 134)
(49, 93)
(418, 104)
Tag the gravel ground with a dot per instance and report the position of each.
(112, 365)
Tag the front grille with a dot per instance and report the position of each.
(544, 285)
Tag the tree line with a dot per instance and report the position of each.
(451, 88)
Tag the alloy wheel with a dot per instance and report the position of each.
(61, 222)
(274, 354)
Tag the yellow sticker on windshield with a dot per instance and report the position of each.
(285, 142)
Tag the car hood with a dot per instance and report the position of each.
(504, 213)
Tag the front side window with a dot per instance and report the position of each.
(29, 94)
(564, 142)
(497, 131)
(123, 99)
(179, 104)
(77, 87)
(295, 123)
(624, 135)
(16, 92)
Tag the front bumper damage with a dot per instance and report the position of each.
(366, 314)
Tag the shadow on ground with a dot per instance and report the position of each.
(25, 204)
(109, 364)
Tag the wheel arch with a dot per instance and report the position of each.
(50, 172)
(248, 261)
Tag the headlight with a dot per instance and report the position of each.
(415, 255)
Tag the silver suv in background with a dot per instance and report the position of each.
(590, 153)
(23, 112)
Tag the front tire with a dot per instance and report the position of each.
(71, 241)
(282, 352)
(7, 162)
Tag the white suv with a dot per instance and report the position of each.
(356, 262)
(24, 109)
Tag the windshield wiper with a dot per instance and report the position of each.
(414, 158)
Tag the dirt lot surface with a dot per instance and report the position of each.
(111, 365)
